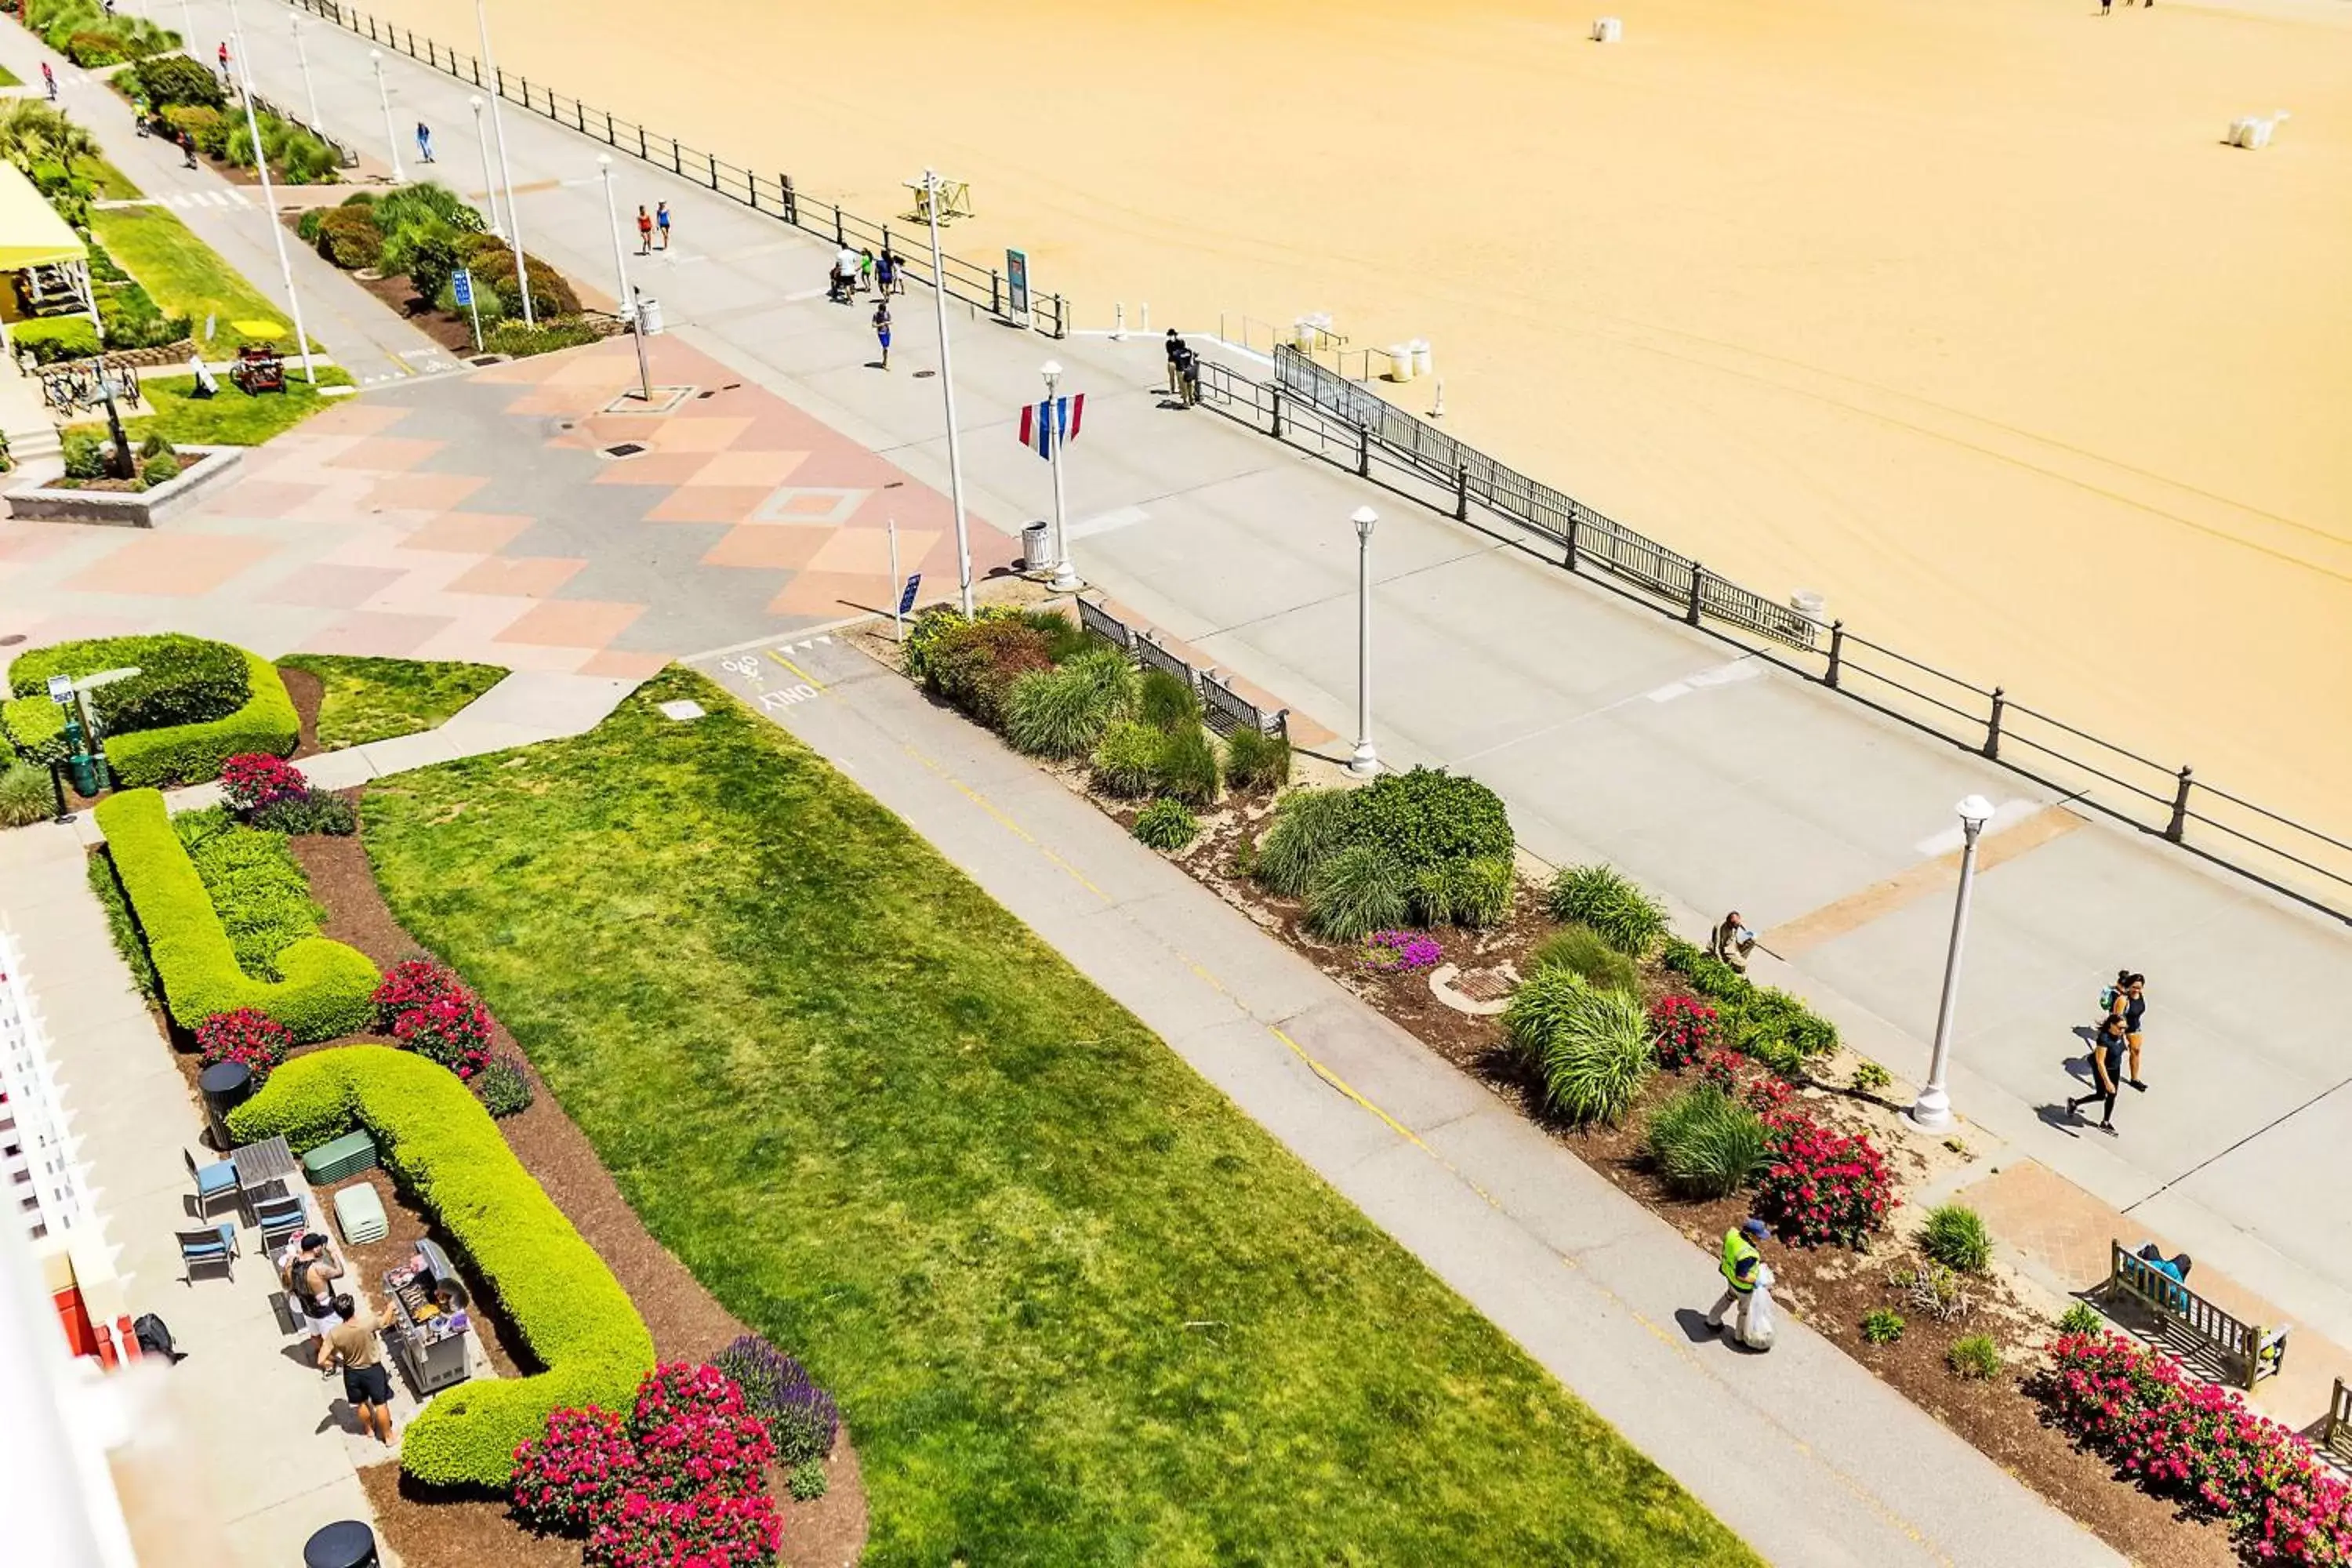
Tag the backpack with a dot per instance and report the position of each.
(2107, 999)
(154, 1339)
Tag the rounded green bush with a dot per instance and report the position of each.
(26, 795)
(1954, 1236)
(1429, 817)
(1578, 948)
(1166, 825)
(180, 680)
(1591, 1047)
(1707, 1144)
(1881, 1327)
(1356, 892)
(1975, 1357)
(1310, 825)
(1601, 897)
(1125, 760)
(1062, 713)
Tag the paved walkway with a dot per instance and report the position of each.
(255, 1443)
(1612, 733)
(1802, 1452)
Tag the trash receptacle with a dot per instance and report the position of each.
(649, 316)
(225, 1086)
(347, 1544)
(1421, 363)
(1036, 545)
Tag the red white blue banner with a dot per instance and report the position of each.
(1052, 421)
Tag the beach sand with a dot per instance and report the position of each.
(1959, 314)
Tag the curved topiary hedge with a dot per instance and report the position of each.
(36, 727)
(556, 1293)
(191, 753)
(328, 985)
(180, 680)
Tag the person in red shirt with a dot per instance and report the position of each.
(644, 231)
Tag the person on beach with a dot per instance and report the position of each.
(1732, 942)
(2106, 1071)
(882, 328)
(644, 231)
(352, 1342)
(661, 222)
(425, 142)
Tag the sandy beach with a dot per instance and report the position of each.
(1962, 316)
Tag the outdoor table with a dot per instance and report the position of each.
(259, 1164)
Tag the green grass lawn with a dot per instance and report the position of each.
(9, 78)
(1078, 1308)
(377, 699)
(189, 278)
(229, 417)
(113, 184)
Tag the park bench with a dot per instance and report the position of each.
(2336, 1436)
(2246, 1352)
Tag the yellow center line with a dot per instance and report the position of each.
(778, 656)
(1005, 822)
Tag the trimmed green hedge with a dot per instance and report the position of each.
(180, 680)
(191, 753)
(36, 727)
(554, 1291)
(327, 987)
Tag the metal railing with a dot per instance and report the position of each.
(1222, 708)
(985, 288)
(2248, 1352)
(1306, 403)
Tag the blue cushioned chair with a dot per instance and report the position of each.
(215, 1247)
(217, 1179)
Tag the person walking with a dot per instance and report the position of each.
(882, 328)
(864, 270)
(2106, 1071)
(1743, 1261)
(661, 222)
(353, 1342)
(424, 142)
(895, 278)
(2131, 1001)
(49, 80)
(1175, 348)
(1732, 942)
(644, 231)
(224, 59)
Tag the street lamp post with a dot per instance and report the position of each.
(947, 387)
(489, 179)
(499, 130)
(302, 59)
(1932, 1112)
(620, 264)
(1066, 576)
(1366, 761)
(268, 202)
(383, 97)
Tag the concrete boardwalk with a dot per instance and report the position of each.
(1807, 1456)
(1614, 732)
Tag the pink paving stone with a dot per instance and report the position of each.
(570, 623)
(687, 433)
(386, 454)
(468, 532)
(652, 468)
(708, 503)
(331, 587)
(626, 663)
(864, 551)
(768, 546)
(355, 417)
(181, 565)
(266, 498)
(527, 577)
(25, 543)
(832, 593)
(421, 492)
(374, 634)
(767, 470)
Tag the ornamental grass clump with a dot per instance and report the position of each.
(1255, 761)
(25, 793)
(1167, 704)
(1166, 825)
(1185, 767)
(1356, 892)
(1604, 899)
(1126, 759)
(1470, 894)
(1976, 1357)
(1062, 713)
(1705, 1143)
(1581, 950)
(1309, 827)
(1954, 1236)
(1589, 1048)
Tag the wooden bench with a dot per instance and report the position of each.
(2247, 1352)
(2336, 1436)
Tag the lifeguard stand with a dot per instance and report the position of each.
(955, 200)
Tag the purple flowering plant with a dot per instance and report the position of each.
(1400, 952)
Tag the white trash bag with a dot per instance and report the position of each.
(1756, 1329)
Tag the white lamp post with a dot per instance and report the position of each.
(268, 202)
(1066, 576)
(489, 179)
(613, 221)
(383, 97)
(947, 387)
(1932, 1113)
(1366, 761)
(302, 59)
(499, 130)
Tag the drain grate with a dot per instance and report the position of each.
(713, 393)
(621, 449)
(478, 361)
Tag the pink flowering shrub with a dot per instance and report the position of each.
(257, 1039)
(1685, 1029)
(1822, 1186)
(565, 1481)
(256, 779)
(714, 1530)
(424, 1006)
(2198, 1442)
(696, 1436)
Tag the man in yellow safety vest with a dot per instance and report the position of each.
(1741, 1262)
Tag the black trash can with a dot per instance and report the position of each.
(225, 1086)
(347, 1544)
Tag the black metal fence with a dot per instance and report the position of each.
(1308, 405)
(774, 195)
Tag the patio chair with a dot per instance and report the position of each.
(214, 1247)
(217, 1179)
(278, 1215)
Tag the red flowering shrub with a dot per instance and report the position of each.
(1685, 1029)
(1721, 1068)
(425, 1007)
(2198, 1442)
(1821, 1184)
(1768, 1093)
(695, 1434)
(576, 1474)
(255, 779)
(257, 1040)
(713, 1531)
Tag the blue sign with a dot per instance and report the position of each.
(462, 286)
(907, 599)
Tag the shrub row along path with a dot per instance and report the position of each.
(1612, 732)
(368, 341)
(1805, 1454)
